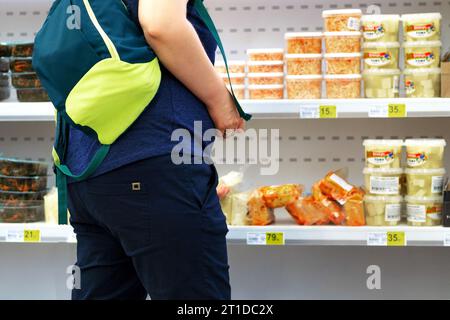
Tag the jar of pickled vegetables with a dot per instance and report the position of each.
(383, 181)
(383, 153)
(381, 55)
(266, 92)
(381, 83)
(342, 20)
(423, 83)
(422, 26)
(343, 86)
(424, 211)
(265, 66)
(302, 64)
(304, 42)
(343, 63)
(343, 42)
(425, 153)
(425, 182)
(266, 78)
(304, 87)
(423, 54)
(380, 27)
(234, 66)
(271, 54)
(383, 210)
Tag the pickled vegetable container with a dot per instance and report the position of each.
(342, 20)
(14, 167)
(383, 210)
(266, 78)
(272, 54)
(383, 153)
(4, 80)
(424, 211)
(343, 86)
(302, 64)
(235, 78)
(234, 66)
(265, 66)
(263, 92)
(425, 182)
(422, 26)
(381, 28)
(24, 184)
(381, 55)
(343, 63)
(304, 87)
(381, 83)
(304, 42)
(343, 42)
(383, 181)
(423, 83)
(425, 153)
(423, 54)
(239, 90)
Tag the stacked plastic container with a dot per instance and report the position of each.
(381, 56)
(265, 74)
(422, 51)
(5, 52)
(304, 65)
(237, 76)
(343, 53)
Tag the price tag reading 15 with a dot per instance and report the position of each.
(328, 112)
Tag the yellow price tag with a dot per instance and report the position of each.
(31, 235)
(397, 111)
(275, 238)
(396, 239)
(328, 112)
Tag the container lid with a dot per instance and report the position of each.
(294, 35)
(390, 199)
(22, 178)
(342, 55)
(386, 171)
(434, 199)
(20, 59)
(425, 143)
(266, 75)
(305, 77)
(343, 34)
(22, 161)
(422, 16)
(267, 50)
(221, 63)
(383, 142)
(380, 17)
(304, 56)
(421, 71)
(328, 13)
(232, 75)
(376, 45)
(265, 63)
(265, 87)
(422, 44)
(342, 76)
(23, 192)
(421, 172)
(382, 72)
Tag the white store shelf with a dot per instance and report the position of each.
(270, 109)
(294, 235)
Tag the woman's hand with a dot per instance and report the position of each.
(225, 115)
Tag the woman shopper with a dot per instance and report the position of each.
(145, 225)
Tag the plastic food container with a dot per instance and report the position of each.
(21, 65)
(239, 91)
(266, 78)
(425, 153)
(345, 86)
(423, 83)
(383, 153)
(423, 54)
(4, 80)
(380, 27)
(13, 167)
(234, 66)
(265, 54)
(22, 49)
(425, 182)
(5, 50)
(23, 184)
(265, 66)
(4, 64)
(383, 210)
(304, 87)
(26, 80)
(342, 20)
(236, 78)
(383, 181)
(21, 196)
(423, 26)
(381, 83)
(381, 55)
(424, 211)
(22, 214)
(32, 95)
(343, 63)
(266, 92)
(4, 93)
(303, 64)
(304, 42)
(343, 42)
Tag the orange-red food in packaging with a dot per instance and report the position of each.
(354, 209)
(258, 212)
(280, 196)
(307, 211)
(336, 188)
(336, 215)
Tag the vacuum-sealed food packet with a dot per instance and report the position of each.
(423, 54)
(343, 63)
(304, 87)
(422, 26)
(425, 182)
(383, 153)
(423, 83)
(424, 211)
(380, 27)
(337, 188)
(354, 209)
(342, 20)
(280, 196)
(258, 212)
(309, 212)
(304, 42)
(239, 209)
(425, 153)
(383, 210)
(335, 212)
(381, 83)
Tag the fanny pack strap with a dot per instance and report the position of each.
(212, 28)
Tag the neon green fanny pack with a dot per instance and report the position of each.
(100, 75)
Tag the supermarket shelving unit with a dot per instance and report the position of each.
(317, 262)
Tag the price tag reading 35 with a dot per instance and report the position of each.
(396, 239)
(397, 111)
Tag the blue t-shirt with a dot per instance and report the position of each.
(174, 107)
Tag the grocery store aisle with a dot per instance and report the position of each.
(39, 272)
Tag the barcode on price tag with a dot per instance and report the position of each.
(309, 112)
(256, 239)
(379, 112)
(14, 236)
(377, 239)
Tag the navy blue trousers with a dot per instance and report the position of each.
(153, 228)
